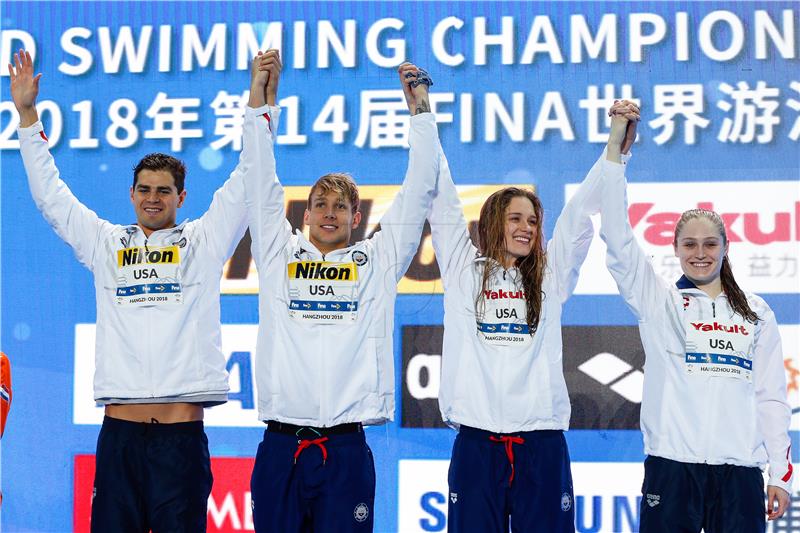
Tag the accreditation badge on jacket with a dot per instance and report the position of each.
(149, 276)
(323, 292)
(501, 318)
(719, 348)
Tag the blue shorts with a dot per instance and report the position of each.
(319, 480)
(151, 476)
(520, 480)
(687, 497)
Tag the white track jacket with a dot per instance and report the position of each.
(714, 384)
(158, 314)
(325, 350)
(495, 375)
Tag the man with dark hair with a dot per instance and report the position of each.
(158, 353)
(158, 161)
(324, 364)
(151, 191)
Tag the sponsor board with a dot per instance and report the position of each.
(607, 498)
(229, 505)
(238, 346)
(603, 368)
(422, 495)
(764, 242)
(422, 368)
(790, 339)
(422, 277)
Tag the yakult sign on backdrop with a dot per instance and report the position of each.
(762, 220)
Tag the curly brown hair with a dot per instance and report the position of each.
(492, 244)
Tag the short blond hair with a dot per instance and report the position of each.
(340, 183)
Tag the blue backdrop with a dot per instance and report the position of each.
(521, 92)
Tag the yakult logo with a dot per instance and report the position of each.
(716, 326)
(756, 228)
(501, 295)
(762, 223)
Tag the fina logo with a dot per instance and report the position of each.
(566, 502)
(361, 512)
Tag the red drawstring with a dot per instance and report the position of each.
(305, 443)
(509, 443)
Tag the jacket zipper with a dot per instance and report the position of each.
(148, 358)
(322, 385)
(503, 361)
(707, 421)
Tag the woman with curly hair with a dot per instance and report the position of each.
(502, 380)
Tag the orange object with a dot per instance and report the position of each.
(5, 390)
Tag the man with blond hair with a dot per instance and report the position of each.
(324, 365)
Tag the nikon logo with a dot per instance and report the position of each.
(323, 270)
(139, 255)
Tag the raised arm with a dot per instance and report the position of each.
(573, 231)
(774, 413)
(76, 224)
(451, 241)
(226, 219)
(266, 213)
(401, 226)
(638, 283)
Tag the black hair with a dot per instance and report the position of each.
(158, 161)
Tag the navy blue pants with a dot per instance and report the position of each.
(521, 480)
(312, 483)
(151, 477)
(687, 497)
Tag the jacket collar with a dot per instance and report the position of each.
(512, 272)
(132, 229)
(307, 246)
(685, 283)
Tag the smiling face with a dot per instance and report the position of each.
(156, 199)
(701, 247)
(521, 225)
(330, 220)
(510, 227)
